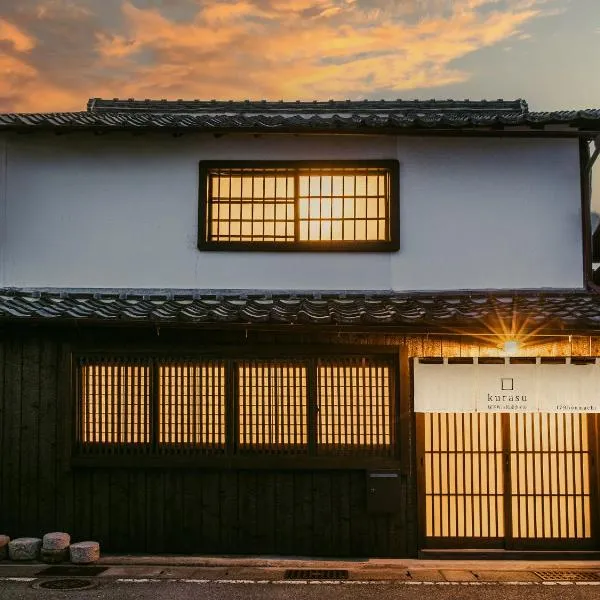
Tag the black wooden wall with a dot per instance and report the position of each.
(175, 510)
(184, 510)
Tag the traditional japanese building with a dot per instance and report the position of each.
(329, 329)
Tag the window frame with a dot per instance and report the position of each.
(391, 245)
(156, 453)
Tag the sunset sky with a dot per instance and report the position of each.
(55, 54)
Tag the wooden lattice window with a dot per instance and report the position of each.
(115, 403)
(191, 404)
(273, 407)
(355, 408)
(301, 205)
(301, 405)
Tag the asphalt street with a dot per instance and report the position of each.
(109, 589)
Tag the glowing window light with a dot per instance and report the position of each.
(273, 405)
(115, 403)
(354, 406)
(298, 205)
(192, 404)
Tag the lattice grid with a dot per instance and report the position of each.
(298, 205)
(354, 408)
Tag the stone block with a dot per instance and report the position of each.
(4, 539)
(83, 553)
(24, 548)
(53, 557)
(56, 541)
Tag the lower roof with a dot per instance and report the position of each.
(560, 310)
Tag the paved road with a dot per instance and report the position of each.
(109, 589)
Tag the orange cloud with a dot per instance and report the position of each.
(20, 41)
(273, 49)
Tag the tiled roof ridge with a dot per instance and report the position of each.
(500, 105)
(298, 122)
(65, 292)
(567, 308)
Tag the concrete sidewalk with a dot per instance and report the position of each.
(270, 569)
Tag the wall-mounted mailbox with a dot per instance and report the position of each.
(383, 491)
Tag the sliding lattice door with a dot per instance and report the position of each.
(490, 480)
(461, 463)
(550, 463)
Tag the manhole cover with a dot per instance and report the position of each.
(567, 575)
(66, 584)
(71, 571)
(316, 574)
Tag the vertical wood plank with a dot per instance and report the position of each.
(340, 507)
(322, 513)
(266, 514)
(47, 449)
(83, 507)
(65, 408)
(11, 455)
(137, 511)
(211, 511)
(287, 534)
(359, 526)
(173, 509)
(100, 502)
(119, 510)
(30, 406)
(229, 510)
(155, 509)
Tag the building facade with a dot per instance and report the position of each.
(300, 328)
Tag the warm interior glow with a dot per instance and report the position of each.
(115, 402)
(261, 207)
(343, 208)
(549, 475)
(464, 495)
(354, 406)
(192, 404)
(353, 400)
(273, 408)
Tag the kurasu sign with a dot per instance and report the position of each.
(513, 388)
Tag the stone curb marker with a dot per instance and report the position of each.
(56, 541)
(85, 552)
(24, 548)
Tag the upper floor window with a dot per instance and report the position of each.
(300, 205)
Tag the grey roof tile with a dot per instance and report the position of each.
(312, 107)
(561, 309)
(332, 116)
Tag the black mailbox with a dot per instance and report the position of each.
(383, 491)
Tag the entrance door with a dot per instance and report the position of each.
(489, 480)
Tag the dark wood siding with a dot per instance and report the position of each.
(301, 511)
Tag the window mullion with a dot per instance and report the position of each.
(231, 407)
(313, 407)
(296, 205)
(154, 405)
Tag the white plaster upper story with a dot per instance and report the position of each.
(120, 211)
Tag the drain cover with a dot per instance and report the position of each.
(67, 584)
(316, 574)
(568, 575)
(71, 571)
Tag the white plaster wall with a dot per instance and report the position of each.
(121, 211)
